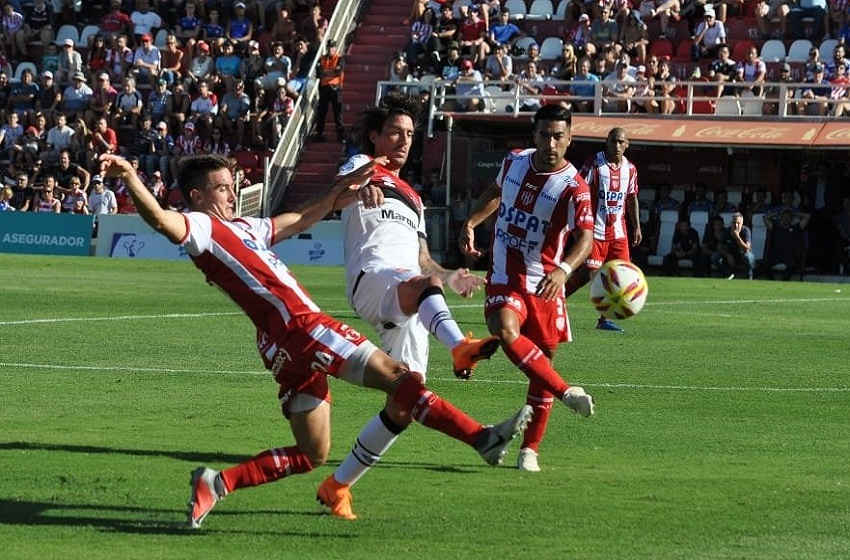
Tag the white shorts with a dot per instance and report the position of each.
(375, 300)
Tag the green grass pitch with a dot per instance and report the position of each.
(722, 428)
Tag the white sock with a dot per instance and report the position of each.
(435, 315)
(374, 440)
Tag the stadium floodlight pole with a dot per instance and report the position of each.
(450, 128)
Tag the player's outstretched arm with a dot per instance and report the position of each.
(461, 281)
(343, 191)
(485, 205)
(169, 223)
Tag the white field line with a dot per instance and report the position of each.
(460, 306)
(128, 369)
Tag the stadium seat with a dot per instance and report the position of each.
(799, 51)
(67, 32)
(516, 8)
(759, 238)
(19, 70)
(523, 43)
(826, 49)
(683, 51)
(741, 48)
(540, 9)
(87, 33)
(772, 51)
(551, 48)
(727, 218)
(561, 13)
(160, 38)
(727, 106)
(734, 197)
(678, 194)
(665, 237)
(699, 221)
(644, 216)
(646, 195)
(661, 48)
(750, 106)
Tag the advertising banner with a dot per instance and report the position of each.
(45, 233)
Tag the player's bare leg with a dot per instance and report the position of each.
(312, 430)
(533, 362)
(409, 400)
(424, 294)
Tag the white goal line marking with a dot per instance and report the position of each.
(336, 311)
(129, 369)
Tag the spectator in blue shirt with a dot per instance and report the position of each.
(583, 90)
(504, 32)
(240, 28)
(227, 65)
(24, 94)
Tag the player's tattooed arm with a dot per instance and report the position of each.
(486, 204)
(461, 281)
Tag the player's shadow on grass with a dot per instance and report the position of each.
(210, 457)
(136, 520)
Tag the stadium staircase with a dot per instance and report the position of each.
(380, 33)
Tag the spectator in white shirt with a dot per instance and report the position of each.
(101, 199)
(147, 60)
(59, 137)
(144, 20)
(710, 34)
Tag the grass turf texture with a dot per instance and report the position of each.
(676, 464)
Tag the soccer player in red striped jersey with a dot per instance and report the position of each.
(541, 199)
(296, 341)
(614, 188)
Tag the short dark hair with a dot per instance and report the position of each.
(374, 118)
(553, 113)
(193, 172)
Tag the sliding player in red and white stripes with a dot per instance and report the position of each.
(541, 199)
(297, 342)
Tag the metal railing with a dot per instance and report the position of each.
(282, 163)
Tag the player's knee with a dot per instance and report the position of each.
(318, 454)
(406, 392)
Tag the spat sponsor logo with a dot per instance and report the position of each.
(520, 218)
(610, 196)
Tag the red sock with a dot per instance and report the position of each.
(430, 410)
(268, 466)
(535, 365)
(541, 400)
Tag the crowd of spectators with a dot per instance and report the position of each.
(628, 46)
(152, 80)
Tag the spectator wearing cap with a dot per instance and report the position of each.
(469, 87)
(604, 31)
(227, 65)
(643, 88)
(75, 98)
(201, 66)
(102, 99)
(813, 99)
(24, 94)
(708, 36)
(278, 65)
(58, 137)
(235, 112)
(145, 22)
(70, 63)
(160, 102)
(116, 22)
(330, 74)
(101, 199)
(12, 27)
(161, 147)
(473, 35)
(119, 57)
(27, 148)
(172, 59)
(633, 36)
(252, 68)
(771, 106)
(240, 29)
(147, 61)
(187, 144)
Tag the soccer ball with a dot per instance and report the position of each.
(619, 290)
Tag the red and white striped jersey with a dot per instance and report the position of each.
(610, 185)
(537, 212)
(236, 256)
(188, 145)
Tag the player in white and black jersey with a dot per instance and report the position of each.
(392, 281)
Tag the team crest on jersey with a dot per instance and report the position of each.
(527, 197)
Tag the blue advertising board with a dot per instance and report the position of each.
(45, 233)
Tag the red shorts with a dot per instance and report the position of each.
(312, 347)
(546, 323)
(604, 251)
